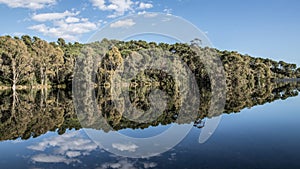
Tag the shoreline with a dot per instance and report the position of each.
(23, 87)
(63, 86)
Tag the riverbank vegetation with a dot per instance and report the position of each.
(36, 79)
(33, 62)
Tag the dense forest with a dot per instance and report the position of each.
(32, 62)
(27, 63)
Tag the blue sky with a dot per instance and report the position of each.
(268, 28)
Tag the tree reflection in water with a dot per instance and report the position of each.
(36, 112)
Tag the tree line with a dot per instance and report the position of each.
(31, 61)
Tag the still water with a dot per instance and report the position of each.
(40, 130)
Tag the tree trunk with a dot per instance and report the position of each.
(42, 98)
(14, 101)
(57, 76)
(45, 77)
(42, 76)
(57, 98)
(14, 72)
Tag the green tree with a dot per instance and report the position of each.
(15, 62)
(48, 60)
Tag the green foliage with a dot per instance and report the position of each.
(15, 62)
(33, 61)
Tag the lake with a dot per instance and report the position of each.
(258, 129)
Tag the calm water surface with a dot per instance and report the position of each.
(263, 136)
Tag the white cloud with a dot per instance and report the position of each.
(65, 148)
(73, 153)
(52, 16)
(67, 142)
(149, 165)
(115, 165)
(119, 7)
(43, 158)
(66, 25)
(148, 14)
(72, 20)
(31, 4)
(128, 164)
(122, 164)
(145, 5)
(141, 12)
(122, 23)
(168, 10)
(125, 147)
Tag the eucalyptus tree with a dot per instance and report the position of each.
(15, 62)
(71, 53)
(48, 60)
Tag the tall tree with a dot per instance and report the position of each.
(57, 62)
(15, 62)
(48, 60)
(71, 52)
